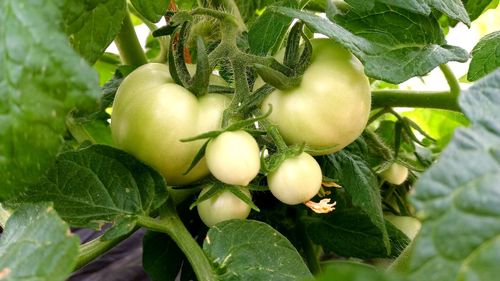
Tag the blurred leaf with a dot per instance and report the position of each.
(37, 245)
(351, 271)
(152, 10)
(458, 198)
(485, 56)
(440, 124)
(351, 233)
(252, 250)
(96, 185)
(41, 79)
(476, 7)
(106, 66)
(81, 20)
(379, 38)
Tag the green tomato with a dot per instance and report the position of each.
(233, 157)
(151, 114)
(296, 180)
(408, 225)
(330, 108)
(395, 174)
(223, 206)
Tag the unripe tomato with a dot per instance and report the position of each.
(151, 114)
(296, 180)
(331, 106)
(408, 225)
(233, 157)
(223, 206)
(395, 174)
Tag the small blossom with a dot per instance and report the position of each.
(322, 207)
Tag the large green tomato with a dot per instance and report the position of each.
(233, 157)
(297, 179)
(151, 114)
(330, 108)
(223, 206)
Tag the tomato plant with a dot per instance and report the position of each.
(344, 126)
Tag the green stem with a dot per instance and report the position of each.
(402, 98)
(311, 255)
(128, 45)
(171, 224)
(451, 79)
(93, 249)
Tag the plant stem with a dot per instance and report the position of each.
(128, 45)
(451, 79)
(309, 249)
(93, 249)
(402, 98)
(171, 224)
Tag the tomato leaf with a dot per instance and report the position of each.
(88, 38)
(41, 79)
(387, 52)
(122, 226)
(351, 233)
(37, 245)
(356, 177)
(152, 10)
(457, 199)
(485, 56)
(453, 8)
(98, 184)
(252, 250)
(352, 271)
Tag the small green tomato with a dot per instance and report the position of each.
(233, 157)
(223, 206)
(296, 180)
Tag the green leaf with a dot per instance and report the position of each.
(476, 7)
(387, 51)
(98, 184)
(37, 245)
(453, 8)
(351, 233)
(41, 79)
(457, 199)
(252, 250)
(267, 33)
(356, 177)
(440, 124)
(485, 56)
(152, 10)
(92, 25)
(162, 259)
(121, 227)
(351, 271)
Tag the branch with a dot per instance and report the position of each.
(128, 45)
(402, 98)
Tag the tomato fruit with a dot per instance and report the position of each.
(223, 206)
(296, 180)
(408, 225)
(330, 107)
(151, 114)
(233, 157)
(395, 174)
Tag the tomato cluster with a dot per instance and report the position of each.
(328, 110)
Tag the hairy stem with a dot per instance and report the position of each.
(128, 45)
(171, 224)
(451, 79)
(402, 98)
